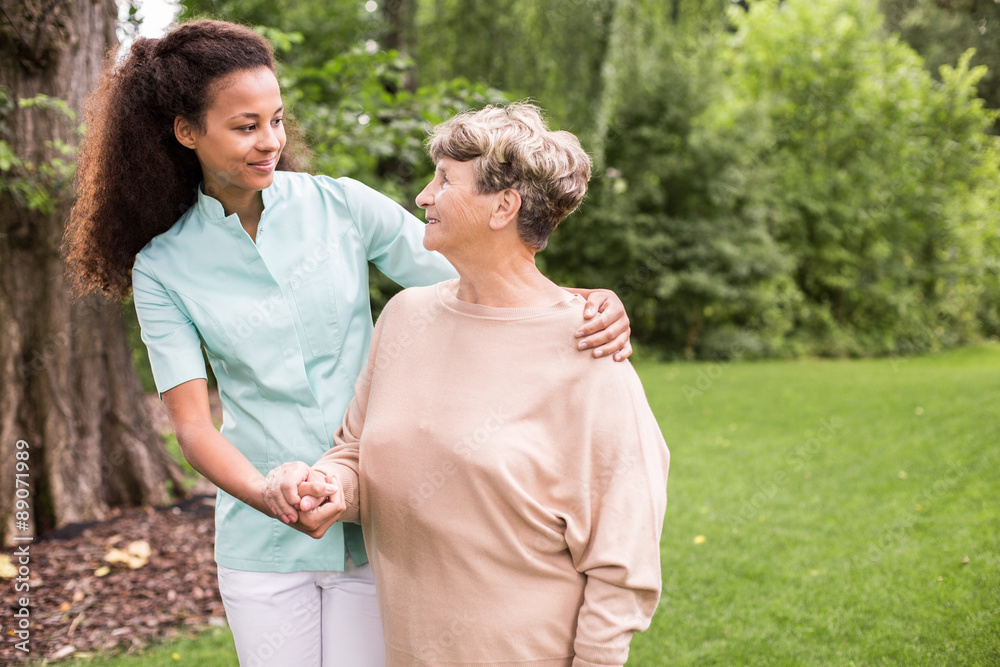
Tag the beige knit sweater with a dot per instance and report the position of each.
(511, 488)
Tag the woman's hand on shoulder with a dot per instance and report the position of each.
(606, 329)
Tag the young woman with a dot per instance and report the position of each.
(189, 196)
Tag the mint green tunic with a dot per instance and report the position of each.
(286, 325)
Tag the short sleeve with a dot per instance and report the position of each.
(171, 338)
(394, 239)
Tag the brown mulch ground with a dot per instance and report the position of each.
(73, 611)
(126, 609)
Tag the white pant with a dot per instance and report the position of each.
(304, 619)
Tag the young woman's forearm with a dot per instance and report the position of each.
(211, 454)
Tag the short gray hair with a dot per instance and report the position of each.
(511, 147)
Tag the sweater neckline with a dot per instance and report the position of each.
(447, 296)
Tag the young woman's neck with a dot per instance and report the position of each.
(247, 204)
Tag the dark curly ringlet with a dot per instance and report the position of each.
(511, 147)
(134, 179)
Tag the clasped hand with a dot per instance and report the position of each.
(304, 498)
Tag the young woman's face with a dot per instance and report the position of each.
(243, 135)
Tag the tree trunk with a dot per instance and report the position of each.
(611, 79)
(400, 34)
(67, 385)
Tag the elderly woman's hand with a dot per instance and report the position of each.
(281, 490)
(322, 504)
(304, 498)
(607, 328)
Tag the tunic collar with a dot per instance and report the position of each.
(210, 208)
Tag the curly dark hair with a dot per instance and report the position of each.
(134, 179)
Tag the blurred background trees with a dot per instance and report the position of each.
(773, 178)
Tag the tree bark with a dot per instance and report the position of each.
(400, 34)
(67, 385)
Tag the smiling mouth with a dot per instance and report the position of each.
(432, 221)
(264, 164)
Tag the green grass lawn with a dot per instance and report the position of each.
(211, 648)
(838, 501)
(821, 513)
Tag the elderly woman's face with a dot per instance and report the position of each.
(457, 217)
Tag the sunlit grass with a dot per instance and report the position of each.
(211, 648)
(838, 502)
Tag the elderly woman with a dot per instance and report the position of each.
(511, 494)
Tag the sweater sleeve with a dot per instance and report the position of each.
(614, 533)
(343, 459)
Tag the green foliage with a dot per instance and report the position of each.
(35, 186)
(316, 31)
(939, 31)
(549, 51)
(880, 183)
(559, 53)
(362, 122)
(784, 181)
(800, 186)
(668, 224)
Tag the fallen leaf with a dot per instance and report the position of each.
(7, 569)
(64, 652)
(700, 539)
(102, 571)
(140, 549)
(965, 560)
(136, 556)
(116, 556)
(65, 606)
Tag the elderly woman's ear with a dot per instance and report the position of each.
(506, 209)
